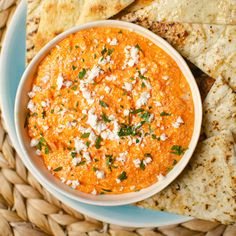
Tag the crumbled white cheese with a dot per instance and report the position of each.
(45, 79)
(107, 89)
(75, 161)
(165, 77)
(143, 99)
(84, 112)
(147, 160)
(93, 73)
(118, 181)
(157, 103)
(75, 183)
(68, 182)
(31, 94)
(178, 122)
(160, 177)
(87, 157)
(163, 137)
(38, 152)
(36, 89)
(92, 137)
(98, 126)
(59, 81)
(45, 127)
(49, 167)
(126, 112)
(100, 174)
(34, 142)
(147, 84)
(111, 117)
(86, 93)
(68, 83)
(94, 192)
(111, 78)
(63, 180)
(127, 86)
(31, 106)
(137, 162)
(132, 187)
(112, 42)
(122, 157)
(79, 145)
(45, 103)
(143, 71)
(131, 56)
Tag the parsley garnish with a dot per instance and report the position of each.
(141, 76)
(42, 143)
(148, 155)
(74, 88)
(102, 103)
(174, 162)
(122, 176)
(177, 150)
(82, 73)
(87, 143)
(143, 85)
(109, 161)
(138, 47)
(27, 119)
(106, 190)
(74, 67)
(126, 130)
(85, 135)
(142, 165)
(164, 114)
(104, 50)
(46, 150)
(73, 154)
(81, 163)
(145, 116)
(58, 169)
(43, 114)
(105, 118)
(98, 142)
(94, 168)
(110, 51)
(137, 111)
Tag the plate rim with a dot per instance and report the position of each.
(14, 141)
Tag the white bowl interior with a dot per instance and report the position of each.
(105, 200)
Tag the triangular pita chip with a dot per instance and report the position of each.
(206, 189)
(48, 18)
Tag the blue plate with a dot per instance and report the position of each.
(11, 68)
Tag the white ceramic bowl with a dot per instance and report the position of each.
(103, 200)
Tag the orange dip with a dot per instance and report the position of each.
(109, 111)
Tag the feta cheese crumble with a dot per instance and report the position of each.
(34, 142)
(178, 122)
(143, 99)
(100, 174)
(59, 81)
(163, 137)
(127, 86)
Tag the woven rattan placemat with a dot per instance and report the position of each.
(27, 209)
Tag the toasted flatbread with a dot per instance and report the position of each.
(207, 188)
(189, 11)
(219, 109)
(212, 48)
(48, 18)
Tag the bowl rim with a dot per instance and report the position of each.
(116, 199)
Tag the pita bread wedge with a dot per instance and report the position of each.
(207, 188)
(219, 109)
(212, 48)
(189, 11)
(55, 16)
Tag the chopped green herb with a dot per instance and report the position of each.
(81, 163)
(77, 104)
(76, 46)
(174, 162)
(95, 56)
(102, 103)
(96, 160)
(74, 87)
(85, 135)
(137, 111)
(137, 140)
(52, 111)
(131, 78)
(109, 161)
(143, 85)
(126, 130)
(142, 76)
(140, 124)
(120, 32)
(27, 119)
(87, 143)
(138, 47)
(46, 150)
(73, 154)
(104, 50)
(82, 59)
(145, 116)
(98, 142)
(164, 114)
(58, 169)
(94, 168)
(142, 165)
(74, 67)
(105, 118)
(107, 190)
(148, 155)
(122, 176)
(82, 73)
(177, 150)
(110, 51)
(44, 114)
